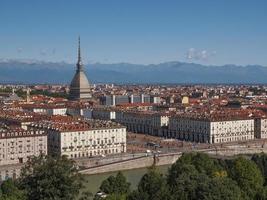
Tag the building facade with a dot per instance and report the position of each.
(18, 144)
(211, 131)
(16, 147)
(81, 139)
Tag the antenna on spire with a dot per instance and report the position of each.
(79, 49)
(79, 63)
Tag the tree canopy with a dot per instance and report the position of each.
(195, 176)
(46, 178)
(152, 186)
(10, 191)
(115, 185)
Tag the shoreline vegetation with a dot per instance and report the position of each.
(195, 176)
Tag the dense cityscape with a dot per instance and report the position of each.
(108, 127)
(133, 100)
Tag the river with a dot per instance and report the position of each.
(133, 176)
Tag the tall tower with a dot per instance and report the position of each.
(28, 97)
(79, 87)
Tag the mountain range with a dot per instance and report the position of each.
(30, 72)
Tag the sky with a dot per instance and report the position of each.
(211, 32)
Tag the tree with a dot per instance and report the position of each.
(183, 181)
(47, 177)
(151, 187)
(198, 177)
(181, 178)
(248, 176)
(218, 188)
(261, 162)
(202, 162)
(10, 191)
(116, 185)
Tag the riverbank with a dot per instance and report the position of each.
(134, 163)
(93, 182)
(170, 158)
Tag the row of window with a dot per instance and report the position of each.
(93, 153)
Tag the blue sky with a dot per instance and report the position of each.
(136, 31)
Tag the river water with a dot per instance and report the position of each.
(133, 176)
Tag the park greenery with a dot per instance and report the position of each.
(22, 93)
(195, 176)
(45, 178)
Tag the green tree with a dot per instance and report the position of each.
(198, 177)
(202, 162)
(115, 185)
(10, 191)
(183, 181)
(45, 178)
(217, 189)
(151, 187)
(261, 162)
(248, 176)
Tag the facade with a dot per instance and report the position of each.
(103, 114)
(212, 130)
(113, 100)
(81, 139)
(16, 145)
(107, 100)
(46, 109)
(144, 122)
(57, 111)
(85, 112)
(155, 99)
(260, 128)
(79, 87)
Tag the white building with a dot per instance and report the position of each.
(104, 113)
(48, 109)
(147, 122)
(212, 128)
(78, 139)
(16, 146)
(57, 111)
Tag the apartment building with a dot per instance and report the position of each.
(104, 113)
(146, 122)
(16, 146)
(86, 138)
(216, 127)
(260, 128)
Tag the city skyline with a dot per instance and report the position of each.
(169, 95)
(145, 32)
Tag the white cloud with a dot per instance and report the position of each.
(193, 54)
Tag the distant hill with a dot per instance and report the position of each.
(12, 71)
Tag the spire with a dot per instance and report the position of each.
(79, 63)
